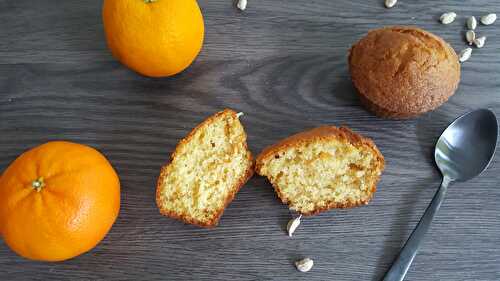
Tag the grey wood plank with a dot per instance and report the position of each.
(283, 63)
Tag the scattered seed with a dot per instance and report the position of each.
(448, 18)
(479, 42)
(472, 23)
(390, 3)
(470, 36)
(242, 4)
(488, 19)
(304, 265)
(465, 54)
(292, 225)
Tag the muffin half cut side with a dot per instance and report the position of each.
(321, 169)
(207, 169)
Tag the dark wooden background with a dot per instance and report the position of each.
(283, 63)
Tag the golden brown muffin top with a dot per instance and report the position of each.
(404, 69)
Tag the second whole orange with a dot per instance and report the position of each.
(156, 38)
(58, 200)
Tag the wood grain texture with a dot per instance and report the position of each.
(283, 63)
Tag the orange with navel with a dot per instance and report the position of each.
(156, 38)
(57, 201)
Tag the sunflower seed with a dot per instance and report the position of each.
(465, 54)
(472, 23)
(470, 36)
(292, 225)
(304, 265)
(448, 18)
(390, 3)
(488, 19)
(479, 42)
(242, 4)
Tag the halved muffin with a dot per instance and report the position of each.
(207, 169)
(321, 169)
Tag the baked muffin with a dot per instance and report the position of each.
(207, 169)
(321, 169)
(401, 72)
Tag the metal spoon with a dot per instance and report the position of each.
(463, 151)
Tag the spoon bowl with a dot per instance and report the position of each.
(466, 147)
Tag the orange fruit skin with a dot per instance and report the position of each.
(72, 212)
(156, 39)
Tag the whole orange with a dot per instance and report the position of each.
(57, 201)
(156, 38)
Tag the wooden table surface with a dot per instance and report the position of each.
(283, 63)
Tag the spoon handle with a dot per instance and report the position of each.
(398, 270)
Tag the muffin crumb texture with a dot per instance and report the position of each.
(207, 169)
(323, 168)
